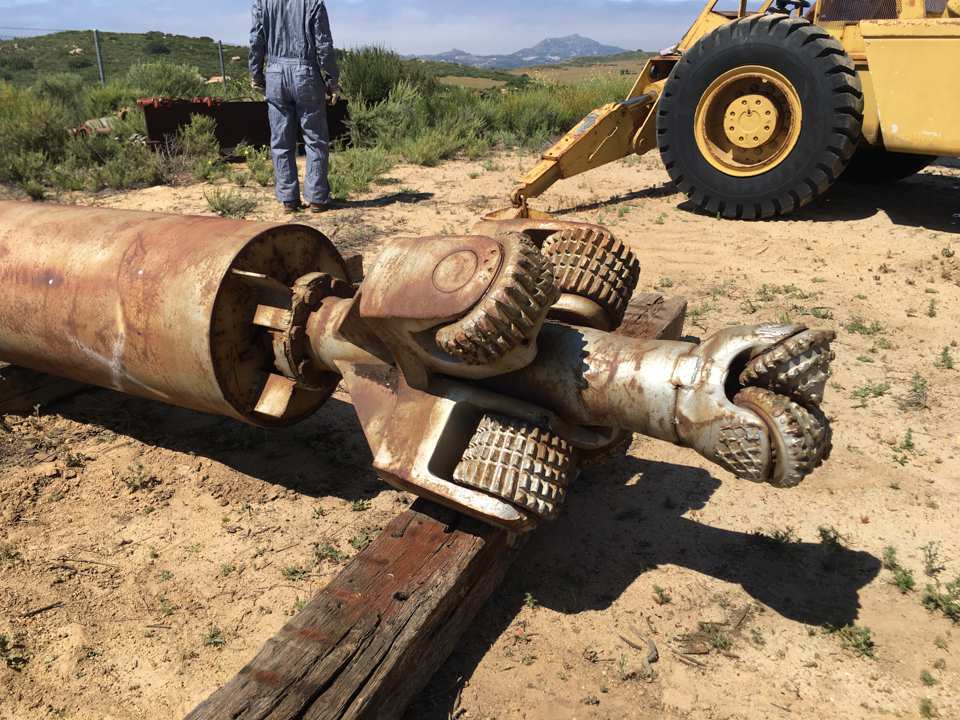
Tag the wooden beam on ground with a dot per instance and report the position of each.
(373, 638)
(22, 389)
(651, 315)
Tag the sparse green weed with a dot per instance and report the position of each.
(661, 596)
(932, 563)
(214, 638)
(362, 539)
(945, 361)
(230, 203)
(857, 638)
(858, 326)
(870, 390)
(328, 552)
(918, 393)
(295, 573)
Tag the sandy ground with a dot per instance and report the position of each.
(176, 544)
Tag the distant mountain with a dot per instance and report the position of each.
(549, 52)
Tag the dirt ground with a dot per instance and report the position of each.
(171, 545)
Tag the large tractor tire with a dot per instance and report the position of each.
(760, 117)
(880, 167)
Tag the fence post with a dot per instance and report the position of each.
(223, 70)
(96, 45)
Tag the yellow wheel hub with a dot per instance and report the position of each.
(751, 121)
(748, 121)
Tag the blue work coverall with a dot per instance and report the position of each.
(292, 56)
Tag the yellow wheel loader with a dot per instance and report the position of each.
(757, 112)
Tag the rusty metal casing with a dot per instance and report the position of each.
(151, 305)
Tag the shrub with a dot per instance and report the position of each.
(115, 162)
(132, 165)
(29, 124)
(165, 79)
(16, 63)
(198, 148)
(230, 203)
(65, 88)
(155, 46)
(436, 144)
(106, 100)
(370, 73)
(259, 163)
(352, 171)
(79, 63)
(402, 115)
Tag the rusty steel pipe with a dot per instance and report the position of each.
(150, 305)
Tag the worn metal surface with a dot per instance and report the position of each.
(468, 306)
(147, 304)
(918, 114)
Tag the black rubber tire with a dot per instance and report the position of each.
(880, 167)
(830, 94)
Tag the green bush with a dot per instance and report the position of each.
(156, 47)
(198, 149)
(106, 100)
(115, 162)
(230, 203)
(370, 73)
(29, 124)
(67, 89)
(16, 63)
(402, 115)
(259, 163)
(352, 171)
(165, 79)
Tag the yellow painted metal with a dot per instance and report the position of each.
(918, 112)
(748, 121)
(751, 121)
(646, 138)
(953, 9)
(605, 135)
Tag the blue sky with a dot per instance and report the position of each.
(487, 26)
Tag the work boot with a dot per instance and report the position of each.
(292, 207)
(324, 207)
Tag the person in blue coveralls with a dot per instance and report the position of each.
(292, 61)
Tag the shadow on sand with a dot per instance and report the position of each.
(930, 200)
(622, 520)
(613, 532)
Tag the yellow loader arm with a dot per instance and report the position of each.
(609, 133)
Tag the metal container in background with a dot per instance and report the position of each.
(237, 121)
